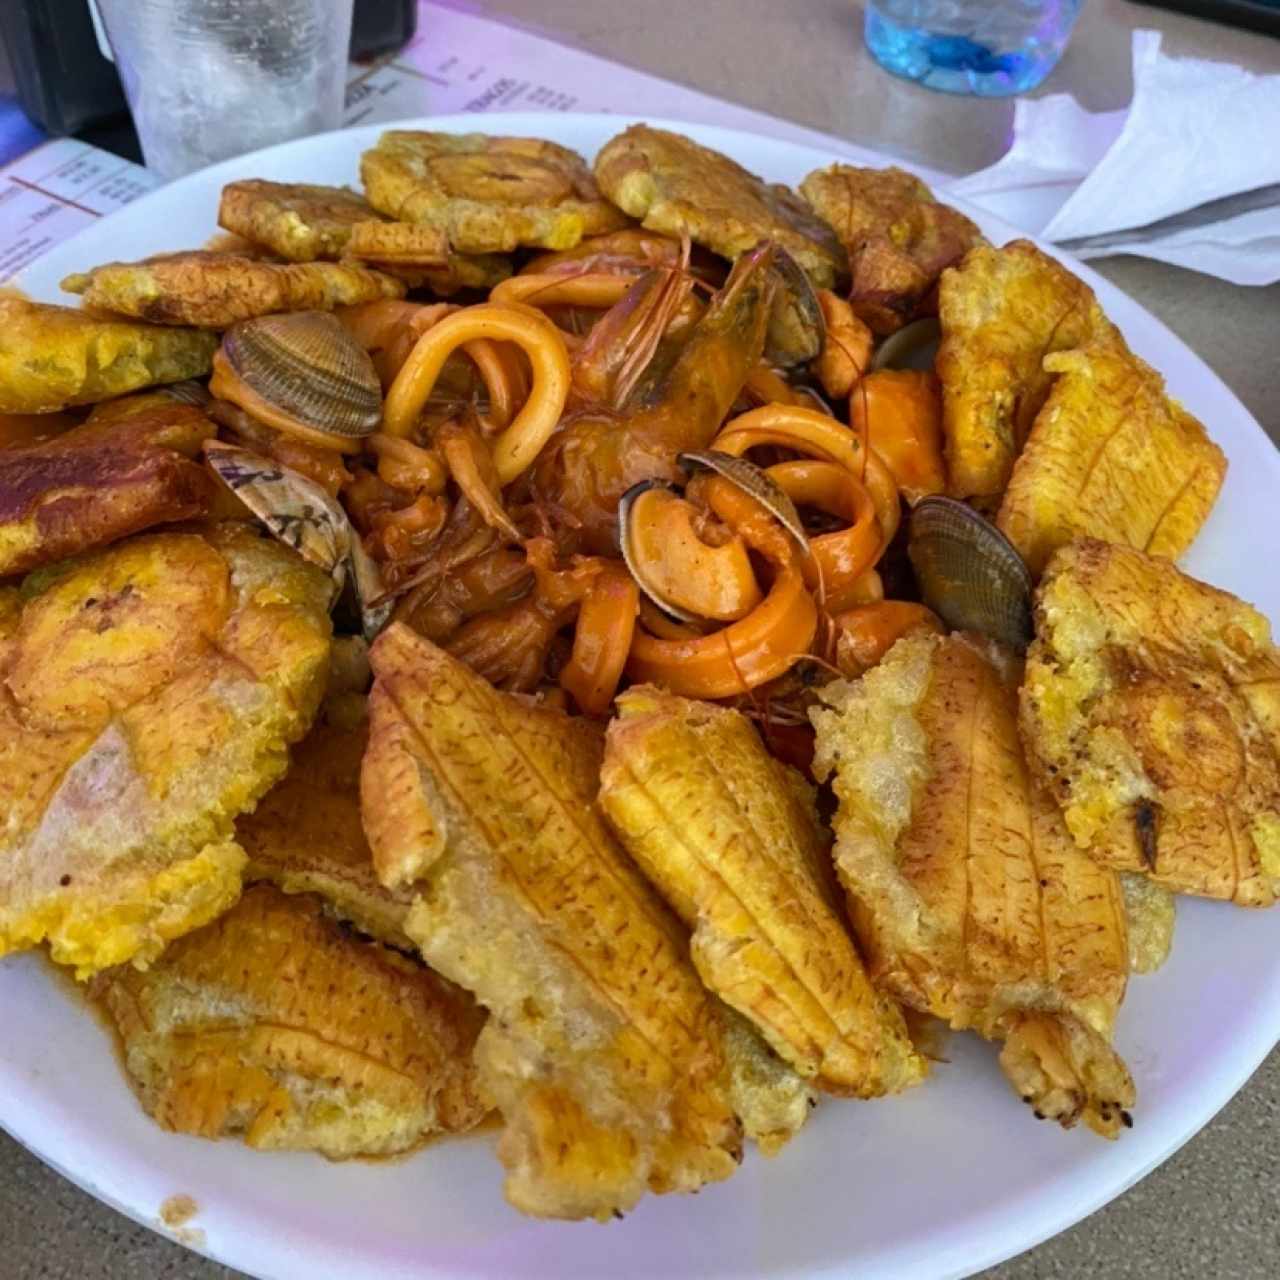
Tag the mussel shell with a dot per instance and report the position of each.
(797, 328)
(295, 509)
(626, 506)
(754, 482)
(969, 573)
(914, 346)
(307, 365)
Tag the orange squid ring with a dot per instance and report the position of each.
(589, 289)
(602, 639)
(808, 431)
(753, 650)
(838, 559)
(515, 448)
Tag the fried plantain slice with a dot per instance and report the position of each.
(487, 194)
(675, 186)
(101, 481)
(53, 357)
(969, 898)
(1149, 911)
(214, 290)
(1002, 311)
(603, 1051)
(148, 693)
(1151, 710)
(1110, 456)
(732, 840)
(300, 221)
(274, 1024)
(305, 836)
(898, 237)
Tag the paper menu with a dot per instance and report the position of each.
(52, 192)
(457, 62)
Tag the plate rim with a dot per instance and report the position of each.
(1264, 1032)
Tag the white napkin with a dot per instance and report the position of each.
(1194, 132)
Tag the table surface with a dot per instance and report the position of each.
(1210, 1210)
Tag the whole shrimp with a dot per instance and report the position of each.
(599, 453)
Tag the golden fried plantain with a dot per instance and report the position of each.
(967, 893)
(675, 186)
(100, 481)
(276, 1025)
(305, 836)
(1002, 311)
(300, 221)
(605, 1055)
(148, 693)
(398, 244)
(214, 290)
(732, 840)
(1149, 911)
(52, 357)
(1151, 710)
(899, 238)
(488, 194)
(1110, 456)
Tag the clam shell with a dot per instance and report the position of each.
(296, 510)
(626, 505)
(753, 481)
(968, 572)
(797, 328)
(912, 347)
(309, 367)
(189, 392)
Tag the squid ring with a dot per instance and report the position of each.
(520, 443)
(588, 289)
(811, 432)
(602, 639)
(839, 559)
(752, 650)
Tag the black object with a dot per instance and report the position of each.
(1257, 15)
(64, 82)
(66, 86)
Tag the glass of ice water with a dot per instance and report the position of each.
(986, 47)
(208, 79)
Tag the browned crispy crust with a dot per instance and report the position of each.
(52, 357)
(678, 187)
(487, 194)
(214, 290)
(306, 836)
(301, 221)
(1151, 710)
(899, 238)
(276, 1025)
(56, 502)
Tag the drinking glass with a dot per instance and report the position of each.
(986, 47)
(208, 79)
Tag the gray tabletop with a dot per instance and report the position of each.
(1209, 1211)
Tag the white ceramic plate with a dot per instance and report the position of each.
(946, 1180)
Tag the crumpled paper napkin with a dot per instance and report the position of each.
(1195, 132)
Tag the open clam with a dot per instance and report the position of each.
(303, 516)
(968, 572)
(753, 481)
(693, 570)
(797, 328)
(913, 347)
(303, 373)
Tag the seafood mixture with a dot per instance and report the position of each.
(634, 649)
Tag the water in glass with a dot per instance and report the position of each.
(208, 79)
(987, 47)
